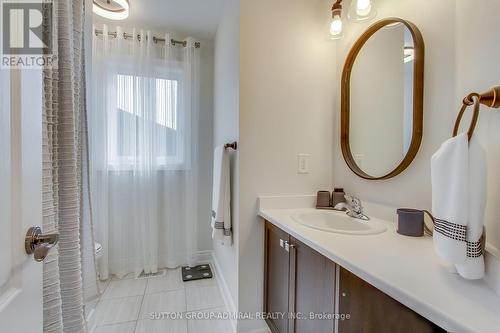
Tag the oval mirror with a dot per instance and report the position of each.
(382, 99)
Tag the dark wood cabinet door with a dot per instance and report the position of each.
(312, 290)
(371, 310)
(276, 280)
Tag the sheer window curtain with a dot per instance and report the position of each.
(143, 130)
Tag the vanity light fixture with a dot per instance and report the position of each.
(111, 9)
(361, 10)
(363, 7)
(336, 23)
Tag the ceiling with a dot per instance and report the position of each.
(196, 18)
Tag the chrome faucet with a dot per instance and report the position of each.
(353, 207)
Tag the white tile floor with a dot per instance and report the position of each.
(126, 305)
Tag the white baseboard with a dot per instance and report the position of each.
(260, 330)
(256, 326)
(492, 276)
(226, 295)
(201, 257)
(260, 327)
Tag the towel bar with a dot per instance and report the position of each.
(232, 145)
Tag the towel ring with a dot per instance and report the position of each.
(468, 101)
(491, 98)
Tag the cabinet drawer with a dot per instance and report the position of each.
(312, 290)
(372, 311)
(300, 281)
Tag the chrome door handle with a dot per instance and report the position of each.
(39, 244)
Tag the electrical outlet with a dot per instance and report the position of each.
(303, 163)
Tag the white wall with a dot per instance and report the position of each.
(286, 108)
(226, 128)
(289, 104)
(203, 230)
(436, 21)
(462, 55)
(477, 69)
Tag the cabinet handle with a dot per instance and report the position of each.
(289, 246)
(282, 243)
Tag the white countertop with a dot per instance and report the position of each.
(405, 268)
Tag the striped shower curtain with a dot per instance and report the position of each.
(69, 271)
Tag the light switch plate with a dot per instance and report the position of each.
(303, 161)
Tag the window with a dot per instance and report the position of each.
(166, 103)
(145, 125)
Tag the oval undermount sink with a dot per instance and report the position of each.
(339, 222)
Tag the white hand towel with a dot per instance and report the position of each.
(221, 196)
(449, 173)
(473, 267)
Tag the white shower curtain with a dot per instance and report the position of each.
(69, 276)
(143, 130)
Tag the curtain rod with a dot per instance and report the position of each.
(155, 39)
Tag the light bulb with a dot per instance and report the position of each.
(336, 26)
(363, 7)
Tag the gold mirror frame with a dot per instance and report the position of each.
(418, 98)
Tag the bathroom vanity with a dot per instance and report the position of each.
(384, 281)
(299, 280)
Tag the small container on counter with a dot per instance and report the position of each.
(323, 199)
(338, 196)
(411, 222)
